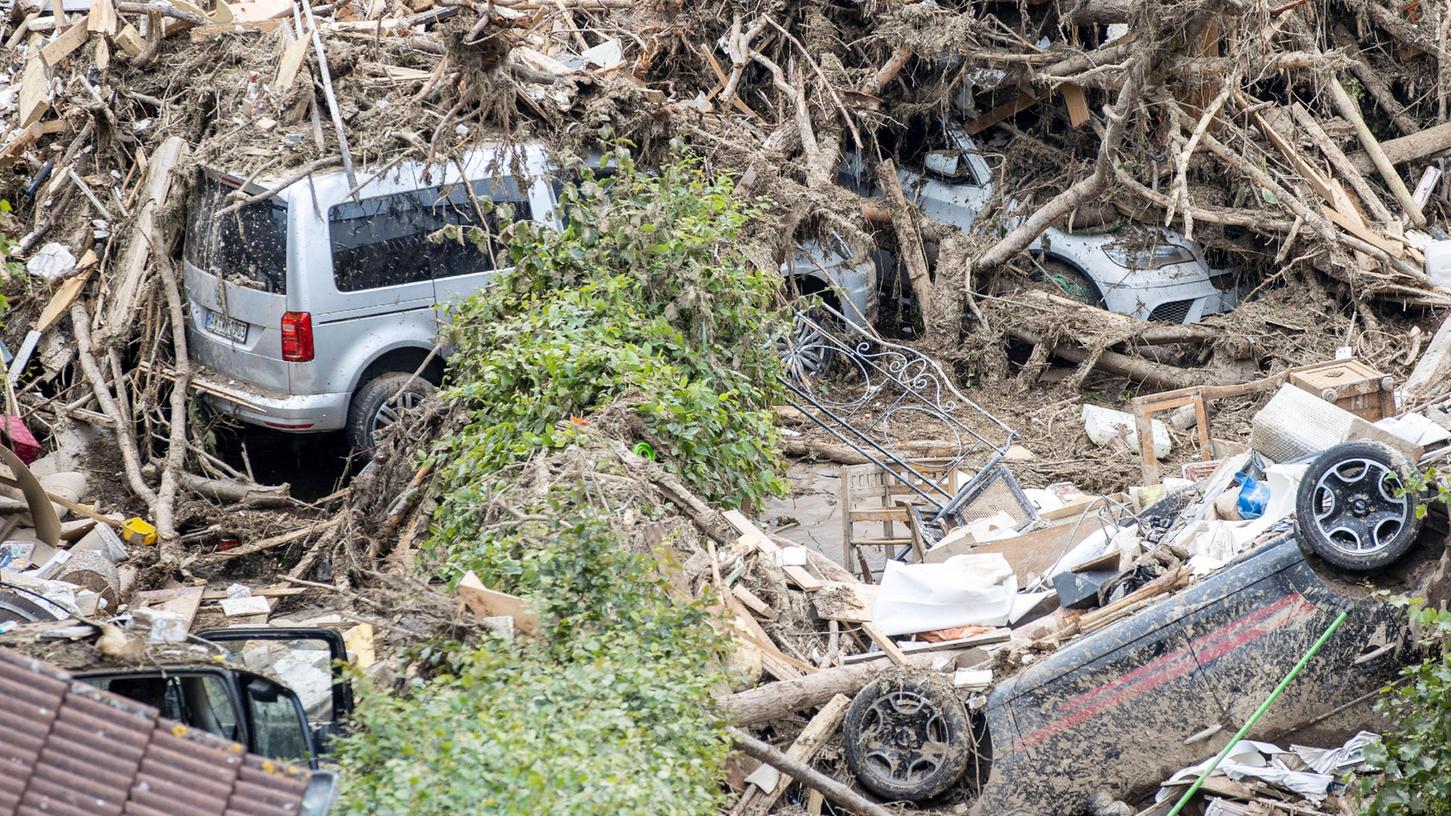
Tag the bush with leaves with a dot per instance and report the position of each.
(639, 321)
(1415, 753)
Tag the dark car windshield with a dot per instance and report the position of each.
(246, 247)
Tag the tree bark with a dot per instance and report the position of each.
(1155, 374)
(803, 773)
(773, 701)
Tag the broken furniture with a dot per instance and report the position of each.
(869, 495)
(1349, 384)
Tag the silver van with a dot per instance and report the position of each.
(312, 309)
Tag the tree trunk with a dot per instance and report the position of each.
(773, 701)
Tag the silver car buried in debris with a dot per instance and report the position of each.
(1148, 272)
(311, 308)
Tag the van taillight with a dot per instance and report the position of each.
(297, 337)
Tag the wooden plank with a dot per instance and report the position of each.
(211, 32)
(129, 39)
(1006, 110)
(1357, 227)
(781, 665)
(34, 92)
(752, 602)
(64, 45)
(959, 645)
(489, 603)
(885, 643)
(184, 601)
(1077, 103)
(59, 304)
(754, 537)
(289, 65)
(102, 18)
(808, 744)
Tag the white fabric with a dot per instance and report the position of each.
(966, 590)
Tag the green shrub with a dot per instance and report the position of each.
(1415, 753)
(640, 320)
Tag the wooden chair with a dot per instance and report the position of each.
(873, 496)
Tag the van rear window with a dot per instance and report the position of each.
(383, 241)
(247, 247)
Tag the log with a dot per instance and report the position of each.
(1148, 373)
(1374, 83)
(1101, 12)
(909, 238)
(830, 788)
(1351, 111)
(807, 745)
(1418, 145)
(841, 454)
(247, 495)
(1131, 328)
(131, 271)
(1342, 163)
(773, 701)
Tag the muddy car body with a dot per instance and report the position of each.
(1121, 709)
(1117, 711)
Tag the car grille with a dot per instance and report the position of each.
(1172, 312)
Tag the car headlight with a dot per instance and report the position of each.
(1154, 257)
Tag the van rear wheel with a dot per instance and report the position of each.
(380, 403)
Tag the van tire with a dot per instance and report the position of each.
(364, 418)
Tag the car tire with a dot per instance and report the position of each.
(908, 736)
(1353, 510)
(373, 408)
(807, 350)
(1066, 280)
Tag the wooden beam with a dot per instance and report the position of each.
(34, 92)
(805, 748)
(1008, 109)
(488, 603)
(64, 45)
(1351, 111)
(885, 643)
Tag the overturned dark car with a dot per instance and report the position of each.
(1111, 714)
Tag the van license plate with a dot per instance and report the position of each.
(226, 327)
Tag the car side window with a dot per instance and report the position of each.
(278, 729)
(384, 241)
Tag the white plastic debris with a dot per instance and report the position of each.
(607, 54)
(235, 607)
(966, 590)
(51, 261)
(1336, 761)
(791, 557)
(1259, 760)
(1104, 424)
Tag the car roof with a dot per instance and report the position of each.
(83, 656)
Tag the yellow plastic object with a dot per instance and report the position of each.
(138, 532)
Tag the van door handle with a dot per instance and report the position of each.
(1372, 655)
(1203, 735)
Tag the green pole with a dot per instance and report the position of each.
(1259, 712)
